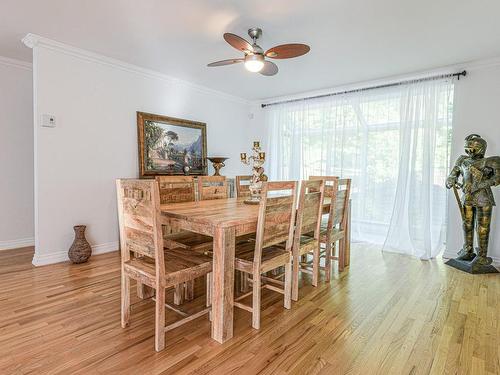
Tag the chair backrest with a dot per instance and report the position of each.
(339, 210)
(140, 221)
(212, 187)
(176, 189)
(330, 194)
(329, 183)
(243, 186)
(276, 216)
(310, 208)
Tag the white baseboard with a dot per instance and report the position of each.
(62, 256)
(16, 244)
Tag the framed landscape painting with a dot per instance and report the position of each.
(170, 146)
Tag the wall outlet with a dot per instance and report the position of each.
(48, 121)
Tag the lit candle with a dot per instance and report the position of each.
(256, 144)
(243, 156)
(262, 155)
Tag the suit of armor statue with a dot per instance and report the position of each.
(477, 175)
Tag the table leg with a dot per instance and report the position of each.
(223, 284)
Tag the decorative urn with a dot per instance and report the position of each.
(80, 251)
(217, 163)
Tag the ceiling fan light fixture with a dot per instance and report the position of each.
(254, 63)
(254, 58)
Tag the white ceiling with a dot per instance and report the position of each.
(351, 40)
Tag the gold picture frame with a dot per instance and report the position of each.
(167, 145)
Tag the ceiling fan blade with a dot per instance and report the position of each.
(287, 51)
(225, 62)
(269, 69)
(238, 42)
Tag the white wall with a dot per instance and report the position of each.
(477, 110)
(16, 154)
(95, 100)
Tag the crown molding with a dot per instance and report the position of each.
(33, 40)
(15, 63)
(480, 64)
(30, 40)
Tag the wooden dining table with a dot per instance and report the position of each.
(223, 220)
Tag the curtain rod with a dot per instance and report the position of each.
(458, 75)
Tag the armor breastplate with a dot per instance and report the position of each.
(472, 172)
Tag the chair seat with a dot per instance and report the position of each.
(188, 240)
(307, 244)
(272, 257)
(246, 238)
(337, 234)
(306, 239)
(180, 266)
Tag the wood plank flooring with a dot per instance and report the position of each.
(386, 314)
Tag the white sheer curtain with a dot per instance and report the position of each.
(394, 144)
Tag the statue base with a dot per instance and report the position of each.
(470, 267)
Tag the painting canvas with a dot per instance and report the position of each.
(170, 146)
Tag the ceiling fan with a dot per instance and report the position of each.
(255, 57)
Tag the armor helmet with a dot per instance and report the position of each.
(475, 145)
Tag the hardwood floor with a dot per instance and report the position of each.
(386, 314)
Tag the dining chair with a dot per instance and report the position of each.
(307, 232)
(330, 193)
(180, 189)
(334, 225)
(243, 191)
(144, 259)
(212, 187)
(335, 228)
(243, 186)
(275, 226)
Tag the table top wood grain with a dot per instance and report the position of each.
(223, 213)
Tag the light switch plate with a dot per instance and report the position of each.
(48, 121)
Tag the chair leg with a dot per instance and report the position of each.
(189, 290)
(295, 277)
(328, 261)
(256, 283)
(315, 277)
(209, 294)
(144, 291)
(341, 255)
(244, 281)
(160, 320)
(288, 285)
(125, 296)
(179, 294)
